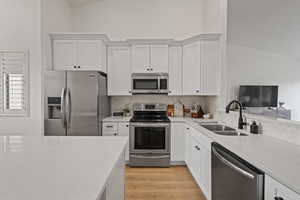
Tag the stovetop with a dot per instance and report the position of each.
(153, 120)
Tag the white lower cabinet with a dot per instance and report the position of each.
(177, 142)
(117, 129)
(277, 191)
(198, 159)
(115, 187)
(123, 130)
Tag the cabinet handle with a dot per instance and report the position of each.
(129, 92)
(170, 91)
(109, 126)
(187, 128)
(127, 125)
(197, 91)
(278, 198)
(75, 67)
(116, 134)
(197, 148)
(78, 67)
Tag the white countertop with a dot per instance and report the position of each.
(116, 119)
(173, 119)
(277, 158)
(57, 168)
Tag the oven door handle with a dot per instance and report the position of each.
(150, 157)
(232, 166)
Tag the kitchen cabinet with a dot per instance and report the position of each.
(79, 55)
(191, 69)
(177, 142)
(115, 187)
(150, 58)
(276, 191)
(210, 67)
(198, 159)
(117, 129)
(119, 71)
(201, 61)
(175, 71)
(123, 130)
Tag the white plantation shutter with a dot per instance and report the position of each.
(14, 83)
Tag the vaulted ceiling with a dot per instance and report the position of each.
(80, 2)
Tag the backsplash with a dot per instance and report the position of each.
(281, 129)
(119, 103)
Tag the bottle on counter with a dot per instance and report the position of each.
(254, 128)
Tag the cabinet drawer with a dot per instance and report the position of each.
(110, 127)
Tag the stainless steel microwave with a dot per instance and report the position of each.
(155, 83)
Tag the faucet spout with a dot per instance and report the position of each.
(241, 122)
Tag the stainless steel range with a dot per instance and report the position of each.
(149, 136)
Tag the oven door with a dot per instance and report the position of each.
(153, 138)
(145, 85)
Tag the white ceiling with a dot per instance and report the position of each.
(79, 2)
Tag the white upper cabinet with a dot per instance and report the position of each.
(201, 61)
(140, 58)
(119, 71)
(78, 52)
(210, 67)
(191, 69)
(175, 71)
(159, 61)
(64, 54)
(150, 58)
(91, 55)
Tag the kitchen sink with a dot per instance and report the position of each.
(222, 130)
(230, 133)
(218, 127)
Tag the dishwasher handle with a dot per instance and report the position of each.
(232, 166)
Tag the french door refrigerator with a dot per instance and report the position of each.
(81, 101)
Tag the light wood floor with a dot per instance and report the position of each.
(175, 183)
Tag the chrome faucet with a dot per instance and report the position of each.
(241, 122)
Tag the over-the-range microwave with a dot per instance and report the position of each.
(154, 83)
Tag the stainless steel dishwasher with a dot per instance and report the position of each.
(234, 178)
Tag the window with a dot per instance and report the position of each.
(14, 83)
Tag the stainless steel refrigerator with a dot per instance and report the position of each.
(75, 103)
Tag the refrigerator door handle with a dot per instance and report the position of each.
(63, 107)
(68, 108)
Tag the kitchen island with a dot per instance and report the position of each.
(62, 168)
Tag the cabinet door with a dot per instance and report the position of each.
(210, 51)
(188, 149)
(196, 166)
(89, 55)
(191, 69)
(177, 142)
(140, 58)
(159, 61)
(110, 129)
(119, 71)
(175, 71)
(206, 171)
(64, 54)
(123, 130)
(274, 189)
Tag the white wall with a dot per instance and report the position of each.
(20, 23)
(119, 19)
(264, 47)
(57, 18)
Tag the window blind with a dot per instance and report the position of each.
(13, 86)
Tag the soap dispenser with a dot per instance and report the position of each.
(254, 128)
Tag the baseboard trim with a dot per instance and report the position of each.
(178, 163)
